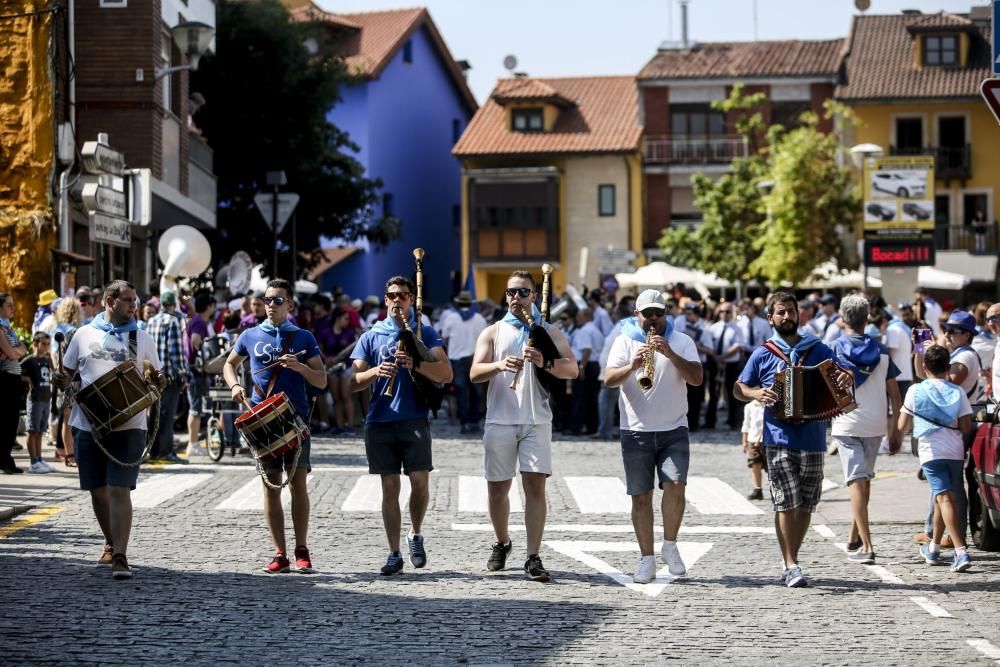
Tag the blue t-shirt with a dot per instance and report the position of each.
(759, 372)
(263, 349)
(375, 348)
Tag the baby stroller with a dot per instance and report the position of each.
(219, 429)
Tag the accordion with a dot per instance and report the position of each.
(810, 393)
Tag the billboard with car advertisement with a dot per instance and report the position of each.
(899, 194)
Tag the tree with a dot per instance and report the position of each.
(784, 235)
(268, 96)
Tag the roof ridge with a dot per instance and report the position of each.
(369, 12)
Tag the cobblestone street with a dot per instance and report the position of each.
(199, 596)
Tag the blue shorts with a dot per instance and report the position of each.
(197, 395)
(666, 452)
(943, 475)
(96, 469)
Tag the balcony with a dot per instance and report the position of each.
(962, 237)
(708, 149)
(949, 161)
(201, 179)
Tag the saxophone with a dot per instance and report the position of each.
(648, 364)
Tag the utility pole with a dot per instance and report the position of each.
(275, 179)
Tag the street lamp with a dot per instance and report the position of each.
(192, 39)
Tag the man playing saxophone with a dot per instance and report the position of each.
(654, 431)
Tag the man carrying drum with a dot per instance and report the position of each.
(110, 339)
(283, 358)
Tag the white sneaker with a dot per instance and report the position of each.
(46, 467)
(36, 469)
(672, 557)
(646, 571)
(196, 450)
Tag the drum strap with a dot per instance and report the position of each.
(133, 345)
(277, 371)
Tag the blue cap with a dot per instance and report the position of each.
(962, 320)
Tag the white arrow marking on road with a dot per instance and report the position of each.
(710, 495)
(366, 496)
(599, 495)
(473, 495)
(691, 552)
(829, 484)
(984, 647)
(156, 489)
(250, 496)
(621, 528)
(932, 608)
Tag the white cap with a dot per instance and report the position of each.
(650, 299)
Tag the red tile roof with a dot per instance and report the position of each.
(736, 60)
(604, 119)
(880, 62)
(522, 89)
(939, 20)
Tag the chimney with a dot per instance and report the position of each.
(910, 13)
(684, 23)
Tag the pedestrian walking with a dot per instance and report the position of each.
(518, 432)
(36, 371)
(12, 350)
(654, 419)
(794, 451)
(283, 358)
(397, 430)
(858, 434)
(165, 330)
(460, 327)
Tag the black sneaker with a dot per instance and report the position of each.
(534, 569)
(756, 494)
(393, 564)
(855, 546)
(498, 557)
(418, 555)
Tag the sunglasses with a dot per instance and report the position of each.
(519, 291)
(651, 312)
(993, 319)
(393, 296)
(276, 300)
(951, 331)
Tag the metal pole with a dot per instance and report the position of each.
(295, 251)
(274, 227)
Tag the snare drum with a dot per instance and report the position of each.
(114, 398)
(272, 428)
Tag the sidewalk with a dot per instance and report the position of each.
(896, 497)
(24, 492)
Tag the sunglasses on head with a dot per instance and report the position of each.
(651, 312)
(276, 300)
(519, 291)
(392, 296)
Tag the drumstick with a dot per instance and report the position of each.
(277, 363)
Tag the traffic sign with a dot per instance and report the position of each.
(990, 90)
(617, 254)
(99, 158)
(996, 38)
(110, 229)
(287, 201)
(610, 269)
(105, 200)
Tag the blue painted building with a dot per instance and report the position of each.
(406, 115)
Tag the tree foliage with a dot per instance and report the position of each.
(782, 236)
(268, 89)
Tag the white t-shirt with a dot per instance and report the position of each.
(932, 313)
(901, 350)
(984, 345)
(730, 336)
(86, 354)
(753, 422)
(461, 334)
(944, 443)
(698, 331)
(996, 373)
(664, 407)
(609, 341)
(970, 360)
(868, 420)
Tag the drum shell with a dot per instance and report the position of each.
(114, 398)
(271, 428)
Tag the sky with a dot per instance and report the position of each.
(553, 38)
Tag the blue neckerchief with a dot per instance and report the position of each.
(5, 323)
(937, 401)
(388, 326)
(859, 354)
(959, 349)
(466, 313)
(41, 314)
(799, 350)
(267, 326)
(522, 327)
(65, 327)
(902, 325)
(631, 328)
(111, 330)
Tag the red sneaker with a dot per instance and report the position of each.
(302, 562)
(278, 564)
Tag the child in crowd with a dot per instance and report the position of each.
(753, 434)
(37, 373)
(939, 413)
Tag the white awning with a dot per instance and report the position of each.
(660, 274)
(934, 278)
(827, 276)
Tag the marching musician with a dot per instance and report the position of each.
(654, 423)
(794, 451)
(96, 349)
(283, 358)
(397, 430)
(518, 420)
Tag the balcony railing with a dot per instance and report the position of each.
(695, 149)
(949, 161)
(964, 237)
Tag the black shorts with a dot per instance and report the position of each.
(394, 445)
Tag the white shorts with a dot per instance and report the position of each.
(507, 447)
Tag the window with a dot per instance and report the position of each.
(941, 50)
(605, 200)
(696, 120)
(527, 120)
(114, 4)
(387, 205)
(408, 51)
(788, 114)
(909, 135)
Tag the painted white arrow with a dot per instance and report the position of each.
(691, 552)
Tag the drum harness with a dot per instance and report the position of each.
(298, 450)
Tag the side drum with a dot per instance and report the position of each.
(271, 428)
(115, 398)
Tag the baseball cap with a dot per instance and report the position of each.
(650, 299)
(828, 300)
(904, 305)
(962, 320)
(168, 299)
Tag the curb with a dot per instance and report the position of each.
(7, 513)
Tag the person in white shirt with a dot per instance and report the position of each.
(984, 343)
(602, 319)
(993, 322)
(460, 328)
(753, 437)
(697, 329)
(827, 324)
(728, 347)
(858, 434)
(587, 343)
(607, 398)
(519, 420)
(112, 338)
(654, 431)
(931, 310)
(754, 329)
(899, 340)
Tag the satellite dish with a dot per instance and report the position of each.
(510, 62)
(239, 271)
(185, 253)
(862, 5)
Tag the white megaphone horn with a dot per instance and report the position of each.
(185, 252)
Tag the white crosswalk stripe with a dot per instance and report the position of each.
(156, 489)
(710, 495)
(366, 496)
(250, 496)
(473, 495)
(599, 495)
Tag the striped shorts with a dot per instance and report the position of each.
(796, 478)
